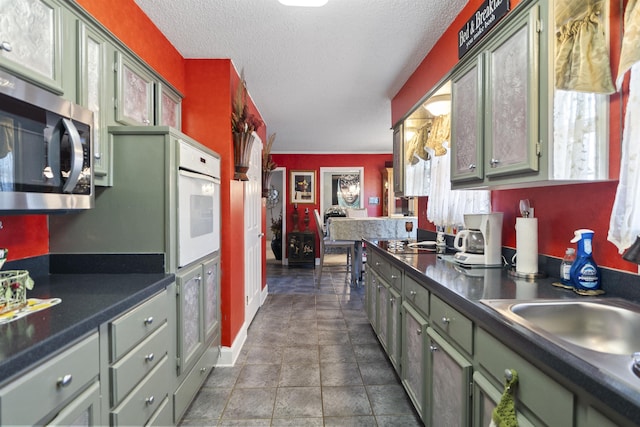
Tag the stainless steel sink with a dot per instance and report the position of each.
(604, 332)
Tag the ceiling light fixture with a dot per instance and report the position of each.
(438, 105)
(304, 3)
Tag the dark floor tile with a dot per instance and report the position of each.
(361, 421)
(293, 402)
(378, 373)
(340, 374)
(398, 421)
(258, 376)
(345, 401)
(369, 353)
(250, 403)
(300, 355)
(337, 354)
(264, 354)
(300, 375)
(389, 400)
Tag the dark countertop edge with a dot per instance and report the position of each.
(48, 348)
(571, 371)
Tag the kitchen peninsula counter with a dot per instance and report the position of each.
(88, 300)
(463, 289)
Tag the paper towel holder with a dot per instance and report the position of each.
(526, 276)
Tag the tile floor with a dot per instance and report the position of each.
(311, 359)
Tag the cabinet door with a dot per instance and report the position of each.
(93, 78)
(511, 132)
(414, 361)
(31, 41)
(467, 123)
(398, 160)
(450, 390)
(190, 322)
(383, 313)
(371, 299)
(134, 93)
(84, 410)
(169, 107)
(395, 328)
(211, 298)
(485, 398)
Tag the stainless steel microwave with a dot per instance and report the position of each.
(46, 162)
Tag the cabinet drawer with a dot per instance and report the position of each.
(163, 415)
(416, 294)
(538, 395)
(452, 323)
(386, 270)
(139, 362)
(192, 383)
(130, 329)
(145, 398)
(31, 397)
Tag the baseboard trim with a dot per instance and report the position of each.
(229, 355)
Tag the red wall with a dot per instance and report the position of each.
(372, 164)
(560, 209)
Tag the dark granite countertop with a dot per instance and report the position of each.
(87, 301)
(464, 289)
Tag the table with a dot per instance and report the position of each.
(371, 228)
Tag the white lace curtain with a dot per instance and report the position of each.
(624, 224)
(446, 207)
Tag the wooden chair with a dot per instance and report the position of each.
(326, 242)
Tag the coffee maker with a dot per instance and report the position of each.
(480, 243)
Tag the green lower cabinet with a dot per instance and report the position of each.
(383, 314)
(539, 398)
(414, 372)
(485, 398)
(394, 349)
(451, 385)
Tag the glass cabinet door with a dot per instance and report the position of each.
(211, 297)
(398, 160)
(511, 132)
(414, 369)
(30, 41)
(190, 323)
(451, 384)
(169, 107)
(134, 93)
(467, 124)
(93, 75)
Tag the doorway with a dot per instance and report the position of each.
(276, 215)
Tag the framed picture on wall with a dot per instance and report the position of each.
(303, 187)
(342, 187)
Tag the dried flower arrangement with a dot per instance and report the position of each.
(242, 121)
(267, 161)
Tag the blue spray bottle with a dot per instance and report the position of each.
(584, 273)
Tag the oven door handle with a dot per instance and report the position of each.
(194, 175)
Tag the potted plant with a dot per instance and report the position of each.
(268, 165)
(243, 124)
(276, 241)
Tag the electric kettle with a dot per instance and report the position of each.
(469, 241)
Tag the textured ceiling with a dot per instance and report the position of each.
(322, 78)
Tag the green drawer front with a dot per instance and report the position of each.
(30, 398)
(138, 363)
(133, 327)
(386, 270)
(145, 399)
(417, 295)
(540, 394)
(453, 324)
(187, 390)
(163, 415)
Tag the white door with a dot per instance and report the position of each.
(253, 232)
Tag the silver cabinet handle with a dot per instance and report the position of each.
(379, 287)
(394, 277)
(149, 357)
(433, 348)
(494, 162)
(148, 320)
(146, 121)
(149, 400)
(64, 381)
(472, 166)
(413, 293)
(209, 272)
(446, 320)
(6, 46)
(203, 370)
(260, 235)
(377, 263)
(419, 331)
(392, 300)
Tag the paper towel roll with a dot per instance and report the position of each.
(527, 245)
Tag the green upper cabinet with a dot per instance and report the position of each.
(134, 93)
(511, 101)
(31, 42)
(515, 121)
(467, 154)
(94, 73)
(168, 107)
(398, 160)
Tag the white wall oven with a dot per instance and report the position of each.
(198, 204)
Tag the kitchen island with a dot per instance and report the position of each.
(429, 316)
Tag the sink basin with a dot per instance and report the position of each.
(601, 331)
(607, 327)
